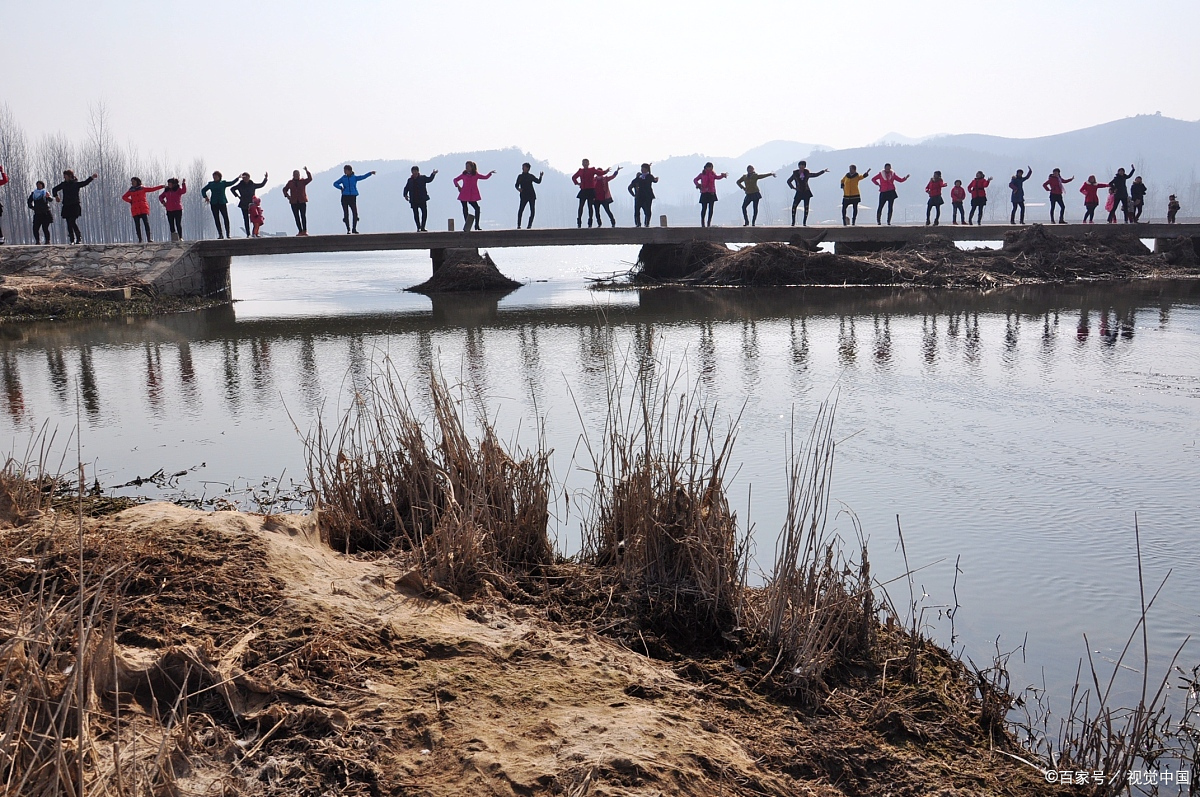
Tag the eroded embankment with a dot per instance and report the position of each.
(237, 654)
(1029, 256)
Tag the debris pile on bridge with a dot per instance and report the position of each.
(462, 270)
(1030, 255)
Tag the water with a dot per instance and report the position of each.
(1018, 434)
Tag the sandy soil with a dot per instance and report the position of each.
(309, 672)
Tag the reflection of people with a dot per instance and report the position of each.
(525, 189)
(748, 182)
(72, 209)
(641, 188)
(416, 191)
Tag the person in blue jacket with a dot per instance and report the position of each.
(348, 183)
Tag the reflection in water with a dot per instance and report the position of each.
(750, 354)
(87, 383)
(260, 364)
(56, 365)
(531, 361)
(929, 338)
(799, 344)
(1012, 334)
(643, 351)
(360, 371)
(883, 342)
(473, 350)
(1083, 328)
(847, 342)
(1049, 332)
(706, 357)
(187, 371)
(14, 396)
(154, 378)
(310, 382)
(229, 359)
(971, 338)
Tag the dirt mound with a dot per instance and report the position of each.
(463, 270)
(934, 243)
(783, 264)
(246, 657)
(672, 262)
(1035, 241)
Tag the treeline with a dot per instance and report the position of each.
(106, 218)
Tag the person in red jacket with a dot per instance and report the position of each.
(978, 190)
(957, 195)
(934, 189)
(256, 216)
(604, 198)
(1054, 184)
(139, 207)
(296, 193)
(585, 178)
(886, 180)
(172, 200)
(1091, 198)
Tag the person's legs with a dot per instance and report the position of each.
(416, 210)
(303, 217)
(1089, 213)
(296, 218)
(806, 201)
(891, 203)
(424, 216)
(533, 212)
(711, 206)
(1012, 215)
(466, 216)
(354, 212)
(1022, 204)
(137, 227)
(521, 211)
(845, 204)
(612, 221)
(754, 218)
(245, 218)
(73, 230)
(928, 211)
(745, 217)
(937, 214)
(579, 215)
(971, 219)
(593, 209)
(648, 207)
(879, 212)
(175, 223)
(854, 211)
(346, 211)
(475, 207)
(795, 204)
(225, 217)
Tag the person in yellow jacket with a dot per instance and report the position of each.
(850, 193)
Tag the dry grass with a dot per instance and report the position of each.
(660, 516)
(468, 509)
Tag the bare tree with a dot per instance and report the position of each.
(14, 156)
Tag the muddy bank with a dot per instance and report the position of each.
(1030, 256)
(464, 270)
(28, 298)
(246, 657)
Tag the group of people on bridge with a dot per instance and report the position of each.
(1126, 197)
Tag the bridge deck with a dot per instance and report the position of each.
(498, 239)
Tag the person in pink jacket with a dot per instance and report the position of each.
(257, 217)
(172, 200)
(139, 207)
(467, 184)
(706, 181)
(886, 180)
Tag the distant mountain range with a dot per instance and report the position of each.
(1166, 151)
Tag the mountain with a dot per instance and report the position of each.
(1166, 151)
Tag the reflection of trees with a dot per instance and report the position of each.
(643, 350)
(531, 361)
(14, 395)
(57, 367)
(87, 383)
(847, 341)
(474, 351)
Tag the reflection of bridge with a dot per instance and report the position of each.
(868, 234)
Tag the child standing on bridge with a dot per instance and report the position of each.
(139, 207)
(172, 201)
(256, 215)
(417, 194)
(641, 188)
(348, 183)
(1172, 208)
(213, 194)
(467, 184)
(748, 182)
(957, 195)
(706, 181)
(525, 189)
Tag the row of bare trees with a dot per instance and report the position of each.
(106, 219)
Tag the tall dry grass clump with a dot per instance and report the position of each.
(467, 507)
(817, 608)
(660, 514)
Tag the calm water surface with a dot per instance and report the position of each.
(1017, 433)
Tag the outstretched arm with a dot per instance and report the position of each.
(538, 179)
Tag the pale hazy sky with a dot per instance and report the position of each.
(279, 84)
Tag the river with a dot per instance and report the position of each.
(1016, 433)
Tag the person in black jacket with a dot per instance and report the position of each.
(244, 190)
(39, 202)
(69, 188)
(641, 188)
(416, 191)
(1137, 199)
(524, 186)
(1121, 192)
(798, 182)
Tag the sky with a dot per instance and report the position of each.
(274, 85)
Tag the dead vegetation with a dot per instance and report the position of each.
(1029, 256)
(460, 270)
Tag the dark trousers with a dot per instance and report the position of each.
(421, 215)
(467, 215)
(591, 208)
(142, 219)
(349, 205)
(41, 226)
(73, 233)
(300, 214)
(795, 204)
(1017, 204)
(175, 222)
(220, 211)
(642, 206)
(606, 206)
(751, 199)
(245, 208)
(958, 213)
(850, 202)
(934, 205)
(1057, 199)
(532, 203)
(1089, 212)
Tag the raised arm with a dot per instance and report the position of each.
(1131, 170)
(1068, 179)
(538, 179)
